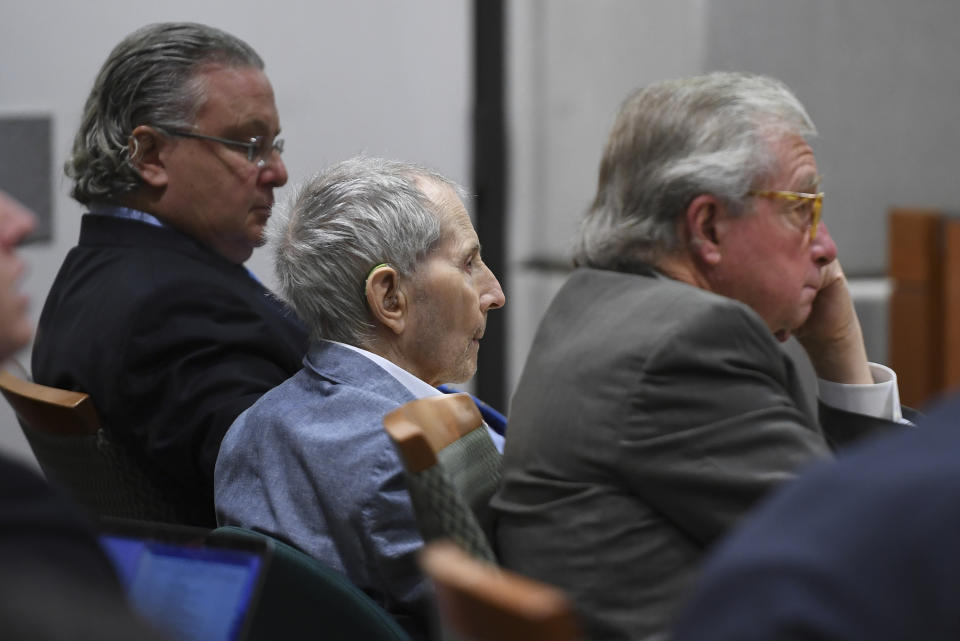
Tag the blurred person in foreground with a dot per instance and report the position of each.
(656, 406)
(381, 261)
(861, 550)
(56, 582)
(153, 313)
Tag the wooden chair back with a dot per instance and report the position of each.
(422, 428)
(453, 468)
(50, 409)
(66, 435)
(481, 602)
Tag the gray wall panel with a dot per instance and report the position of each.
(26, 166)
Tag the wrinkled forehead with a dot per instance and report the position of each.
(236, 95)
(794, 164)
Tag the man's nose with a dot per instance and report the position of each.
(492, 295)
(274, 173)
(823, 248)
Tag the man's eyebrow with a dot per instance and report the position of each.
(257, 124)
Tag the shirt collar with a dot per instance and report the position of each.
(104, 209)
(414, 385)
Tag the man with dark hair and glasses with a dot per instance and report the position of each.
(656, 406)
(153, 313)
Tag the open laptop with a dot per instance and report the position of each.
(188, 586)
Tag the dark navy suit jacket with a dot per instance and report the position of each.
(171, 340)
(864, 549)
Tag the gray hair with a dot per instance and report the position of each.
(340, 224)
(150, 78)
(673, 141)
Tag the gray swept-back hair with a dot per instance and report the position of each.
(150, 78)
(673, 141)
(340, 224)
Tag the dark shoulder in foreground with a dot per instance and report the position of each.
(864, 549)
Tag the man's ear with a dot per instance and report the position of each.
(705, 226)
(386, 299)
(145, 145)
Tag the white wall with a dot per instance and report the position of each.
(379, 77)
(571, 64)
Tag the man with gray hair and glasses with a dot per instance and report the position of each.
(381, 261)
(153, 313)
(656, 406)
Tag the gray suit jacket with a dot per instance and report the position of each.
(650, 416)
(311, 464)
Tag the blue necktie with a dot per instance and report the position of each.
(496, 420)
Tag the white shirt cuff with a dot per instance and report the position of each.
(880, 400)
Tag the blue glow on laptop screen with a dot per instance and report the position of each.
(192, 593)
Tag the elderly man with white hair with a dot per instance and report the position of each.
(381, 261)
(656, 408)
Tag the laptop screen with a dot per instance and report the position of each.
(193, 591)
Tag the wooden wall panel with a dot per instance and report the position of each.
(951, 305)
(916, 268)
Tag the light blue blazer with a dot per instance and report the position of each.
(311, 464)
